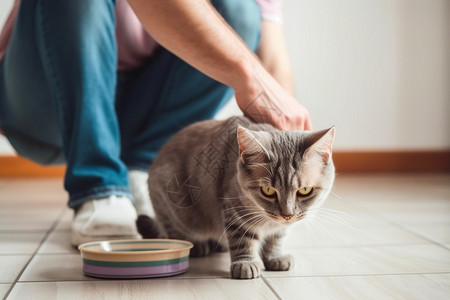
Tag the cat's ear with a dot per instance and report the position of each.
(253, 145)
(321, 145)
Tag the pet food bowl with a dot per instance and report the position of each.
(135, 258)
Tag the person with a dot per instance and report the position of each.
(102, 85)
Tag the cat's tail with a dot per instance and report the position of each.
(148, 227)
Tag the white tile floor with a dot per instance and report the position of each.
(380, 237)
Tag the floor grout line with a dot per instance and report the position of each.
(403, 227)
(52, 227)
(359, 275)
(264, 278)
(271, 288)
(426, 242)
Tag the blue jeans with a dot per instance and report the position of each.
(62, 99)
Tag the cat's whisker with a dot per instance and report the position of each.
(335, 211)
(327, 216)
(238, 206)
(252, 181)
(245, 232)
(240, 217)
(258, 226)
(309, 225)
(333, 220)
(308, 217)
(319, 226)
(230, 198)
(251, 227)
(329, 213)
(243, 211)
(242, 207)
(340, 213)
(305, 224)
(242, 214)
(265, 167)
(325, 209)
(333, 215)
(221, 237)
(336, 195)
(326, 221)
(243, 224)
(232, 213)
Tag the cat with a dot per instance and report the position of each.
(236, 185)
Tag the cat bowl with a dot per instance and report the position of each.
(135, 258)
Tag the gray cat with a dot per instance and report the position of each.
(238, 185)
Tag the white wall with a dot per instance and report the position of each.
(377, 69)
(5, 6)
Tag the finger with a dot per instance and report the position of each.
(308, 124)
(300, 125)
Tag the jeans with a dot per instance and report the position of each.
(62, 99)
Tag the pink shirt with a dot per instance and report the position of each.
(134, 44)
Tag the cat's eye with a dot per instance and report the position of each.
(304, 191)
(268, 191)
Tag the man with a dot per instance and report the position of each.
(82, 82)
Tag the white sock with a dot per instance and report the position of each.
(139, 190)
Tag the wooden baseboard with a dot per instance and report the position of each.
(345, 162)
(392, 161)
(15, 166)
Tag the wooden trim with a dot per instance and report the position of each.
(15, 166)
(392, 161)
(345, 162)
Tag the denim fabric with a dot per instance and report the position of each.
(62, 99)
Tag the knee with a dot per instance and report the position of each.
(244, 16)
(34, 149)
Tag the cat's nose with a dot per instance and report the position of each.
(287, 217)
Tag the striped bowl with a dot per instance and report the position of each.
(135, 258)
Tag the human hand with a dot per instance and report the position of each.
(268, 102)
(285, 114)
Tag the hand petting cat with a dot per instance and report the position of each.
(268, 102)
(258, 93)
(268, 97)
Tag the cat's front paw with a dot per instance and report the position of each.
(282, 263)
(245, 269)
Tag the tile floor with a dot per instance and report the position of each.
(379, 237)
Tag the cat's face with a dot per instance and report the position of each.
(286, 174)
